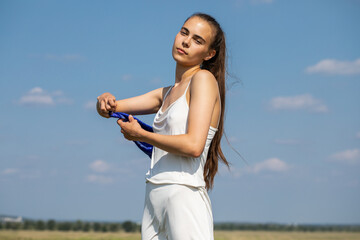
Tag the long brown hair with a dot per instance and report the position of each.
(217, 66)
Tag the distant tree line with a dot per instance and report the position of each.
(286, 227)
(78, 225)
(129, 226)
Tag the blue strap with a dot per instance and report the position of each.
(145, 147)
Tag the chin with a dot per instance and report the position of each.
(179, 59)
(186, 63)
(181, 62)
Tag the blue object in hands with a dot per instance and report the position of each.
(145, 147)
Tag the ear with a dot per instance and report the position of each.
(210, 55)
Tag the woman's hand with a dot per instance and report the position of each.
(106, 103)
(131, 129)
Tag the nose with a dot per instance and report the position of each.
(186, 42)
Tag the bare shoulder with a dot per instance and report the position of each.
(204, 79)
(204, 74)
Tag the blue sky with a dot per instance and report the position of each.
(294, 114)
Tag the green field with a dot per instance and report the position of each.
(219, 235)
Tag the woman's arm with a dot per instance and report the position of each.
(147, 103)
(144, 104)
(203, 96)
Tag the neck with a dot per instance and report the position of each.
(183, 72)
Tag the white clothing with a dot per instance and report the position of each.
(177, 206)
(171, 168)
(176, 212)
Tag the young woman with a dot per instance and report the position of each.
(188, 127)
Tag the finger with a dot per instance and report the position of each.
(102, 106)
(120, 121)
(108, 106)
(131, 118)
(112, 102)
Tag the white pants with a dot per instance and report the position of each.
(176, 212)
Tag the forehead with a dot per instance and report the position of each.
(199, 27)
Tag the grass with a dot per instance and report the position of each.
(219, 235)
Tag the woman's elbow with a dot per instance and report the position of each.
(196, 151)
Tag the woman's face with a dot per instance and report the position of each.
(192, 43)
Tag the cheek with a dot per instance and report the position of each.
(177, 39)
(199, 51)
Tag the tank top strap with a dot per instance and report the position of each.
(167, 92)
(173, 86)
(187, 86)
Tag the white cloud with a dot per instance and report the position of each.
(335, 67)
(90, 105)
(268, 165)
(99, 166)
(38, 96)
(24, 173)
(37, 99)
(305, 101)
(271, 164)
(99, 179)
(350, 156)
(9, 171)
(36, 90)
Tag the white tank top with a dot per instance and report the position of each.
(167, 168)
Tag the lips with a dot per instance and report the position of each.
(180, 50)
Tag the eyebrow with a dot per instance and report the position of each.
(196, 36)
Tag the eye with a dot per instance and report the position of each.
(183, 33)
(198, 41)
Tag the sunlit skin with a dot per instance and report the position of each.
(194, 38)
(191, 47)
